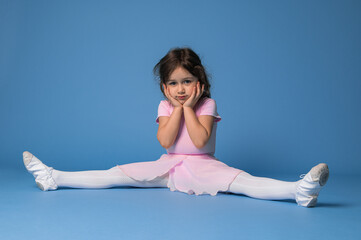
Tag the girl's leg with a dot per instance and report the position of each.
(113, 177)
(263, 188)
(304, 191)
(48, 178)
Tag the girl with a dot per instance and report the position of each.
(187, 130)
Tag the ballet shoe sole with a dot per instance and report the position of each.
(40, 186)
(320, 173)
(312, 203)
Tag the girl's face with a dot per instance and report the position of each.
(181, 84)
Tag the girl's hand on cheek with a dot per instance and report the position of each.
(173, 101)
(196, 94)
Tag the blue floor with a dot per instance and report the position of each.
(157, 213)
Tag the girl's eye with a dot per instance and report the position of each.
(187, 81)
(171, 83)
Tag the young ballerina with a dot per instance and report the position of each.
(187, 130)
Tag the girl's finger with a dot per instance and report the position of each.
(168, 91)
(194, 93)
(165, 91)
(170, 96)
(198, 90)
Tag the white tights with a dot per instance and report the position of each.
(263, 188)
(244, 183)
(113, 177)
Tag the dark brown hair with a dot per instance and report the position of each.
(186, 58)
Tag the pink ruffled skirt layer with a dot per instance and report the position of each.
(192, 174)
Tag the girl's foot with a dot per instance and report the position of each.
(41, 172)
(309, 187)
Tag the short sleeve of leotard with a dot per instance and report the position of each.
(163, 109)
(209, 107)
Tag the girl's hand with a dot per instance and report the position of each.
(196, 94)
(173, 101)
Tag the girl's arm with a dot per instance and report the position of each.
(199, 129)
(169, 127)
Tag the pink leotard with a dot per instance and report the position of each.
(183, 143)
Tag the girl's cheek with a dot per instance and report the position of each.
(172, 94)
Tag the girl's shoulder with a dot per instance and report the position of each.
(206, 101)
(208, 106)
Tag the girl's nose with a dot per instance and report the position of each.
(180, 88)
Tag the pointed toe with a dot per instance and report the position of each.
(41, 172)
(27, 156)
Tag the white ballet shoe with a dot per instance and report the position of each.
(41, 172)
(309, 187)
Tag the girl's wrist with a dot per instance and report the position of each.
(187, 108)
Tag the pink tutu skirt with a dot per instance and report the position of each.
(192, 174)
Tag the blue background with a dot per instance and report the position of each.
(77, 90)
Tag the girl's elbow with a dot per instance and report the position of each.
(201, 144)
(164, 144)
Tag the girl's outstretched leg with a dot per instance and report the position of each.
(263, 188)
(113, 177)
(48, 178)
(304, 191)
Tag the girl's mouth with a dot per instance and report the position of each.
(182, 98)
